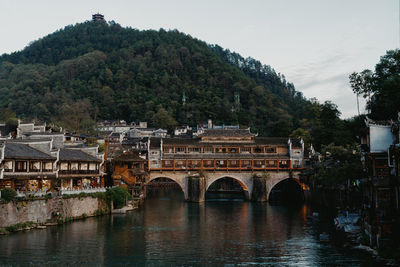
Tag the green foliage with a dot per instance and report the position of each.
(8, 194)
(338, 165)
(163, 119)
(19, 226)
(303, 134)
(93, 71)
(381, 87)
(118, 196)
(99, 212)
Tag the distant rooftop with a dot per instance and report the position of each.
(22, 151)
(76, 155)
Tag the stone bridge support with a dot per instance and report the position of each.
(257, 186)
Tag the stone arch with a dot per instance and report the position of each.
(273, 182)
(244, 183)
(177, 180)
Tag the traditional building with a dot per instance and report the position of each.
(129, 170)
(226, 150)
(26, 168)
(381, 185)
(97, 17)
(78, 169)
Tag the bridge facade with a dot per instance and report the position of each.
(257, 186)
(256, 163)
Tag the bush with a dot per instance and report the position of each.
(8, 194)
(118, 196)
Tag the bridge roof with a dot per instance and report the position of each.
(196, 142)
(227, 132)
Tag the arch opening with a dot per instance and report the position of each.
(227, 188)
(287, 191)
(164, 187)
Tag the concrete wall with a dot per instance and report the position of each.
(41, 210)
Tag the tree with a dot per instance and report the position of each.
(381, 87)
(164, 120)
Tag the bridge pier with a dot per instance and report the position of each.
(260, 192)
(196, 189)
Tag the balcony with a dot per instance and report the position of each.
(78, 172)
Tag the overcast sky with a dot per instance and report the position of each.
(316, 44)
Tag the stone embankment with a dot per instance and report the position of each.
(49, 211)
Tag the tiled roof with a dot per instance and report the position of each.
(22, 151)
(128, 157)
(180, 141)
(257, 141)
(227, 132)
(76, 155)
(42, 133)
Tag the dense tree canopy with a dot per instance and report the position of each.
(97, 70)
(381, 88)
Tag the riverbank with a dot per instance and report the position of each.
(23, 214)
(344, 218)
(18, 215)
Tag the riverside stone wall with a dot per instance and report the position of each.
(41, 211)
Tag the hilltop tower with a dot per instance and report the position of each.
(97, 17)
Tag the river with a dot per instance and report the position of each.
(166, 231)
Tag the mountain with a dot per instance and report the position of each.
(99, 70)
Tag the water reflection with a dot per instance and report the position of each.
(166, 231)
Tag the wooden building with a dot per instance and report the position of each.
(129, 170)
(25, 168)
(226, 150)
(78, 169)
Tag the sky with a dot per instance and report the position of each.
(316, 44)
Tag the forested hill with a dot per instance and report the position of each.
(98, 70)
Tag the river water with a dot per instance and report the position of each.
(166, 231)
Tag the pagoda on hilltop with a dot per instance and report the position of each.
(98, 17)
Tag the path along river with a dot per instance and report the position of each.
(166, 231)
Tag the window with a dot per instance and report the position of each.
(47, 166)
(234, 163)
(208, 163)
(220, 150)
(258, 150)
(259, 163)
(194, 149)
(180, 149)
(167, 163)
(21, 166)
(245, 150)
(34, 166)
(74, 166)
(233, 150)
(8, 166)
(271, 163)
(283, 164)
(246, 163)
(168, 149)
(208, 149)
(270, 149)
(84, 166)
